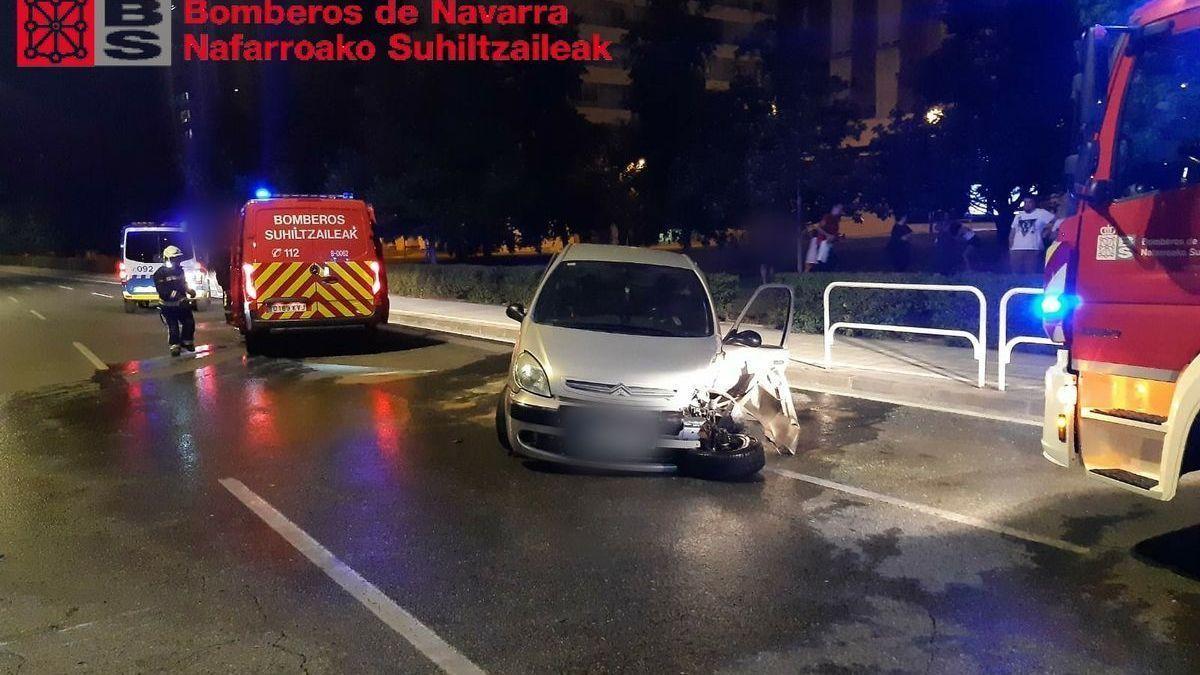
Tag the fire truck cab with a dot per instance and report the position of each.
(306, 262)
(1123, 278)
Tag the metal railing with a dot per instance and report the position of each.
(978, 341)
(1007, 345)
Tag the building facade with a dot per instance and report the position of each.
(872, 41)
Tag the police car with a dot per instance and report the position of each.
(142, 246)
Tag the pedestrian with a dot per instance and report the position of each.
(174, 302)
(899, 246)
(969, 242)
(948, 245)
(825, 233)
(1025, 240)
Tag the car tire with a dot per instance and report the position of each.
(130, 307)
(502, 425)
(711, 465)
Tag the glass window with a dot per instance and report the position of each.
(1159, 141)
(147, 246)
(627, 298)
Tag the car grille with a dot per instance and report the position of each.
(620, 390)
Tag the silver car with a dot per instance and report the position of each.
(616, 345)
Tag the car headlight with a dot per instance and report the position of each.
(528, 374)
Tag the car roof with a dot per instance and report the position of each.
(627, 254)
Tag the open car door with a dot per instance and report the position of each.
(754, 364)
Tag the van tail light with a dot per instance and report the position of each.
(248, 281)
(122, 272)
(375, 287)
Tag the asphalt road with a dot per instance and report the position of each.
(338, 505)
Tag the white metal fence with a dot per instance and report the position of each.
(1005, 343)
(978, 341)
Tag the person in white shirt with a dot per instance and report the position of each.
(1026, 239)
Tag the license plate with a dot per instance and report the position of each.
(608, 434)
(281, 307)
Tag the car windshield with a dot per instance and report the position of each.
(146, 246)
(633, 299)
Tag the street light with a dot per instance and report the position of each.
(935, 115)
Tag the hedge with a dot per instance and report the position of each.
(100, 264)
(915, 308)
(499, 285)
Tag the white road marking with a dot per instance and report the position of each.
(102, 295)
(14, 299)
(396, 617)
(37, 314)
(934, 511)
(923, 406)
(65, 288)
(90, 356)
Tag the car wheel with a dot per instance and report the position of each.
(729, 465)
(502, 425)
(130, 307)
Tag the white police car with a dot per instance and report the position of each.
(142, 246)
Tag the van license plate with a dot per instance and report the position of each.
(281, 307)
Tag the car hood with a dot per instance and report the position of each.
(638, 362)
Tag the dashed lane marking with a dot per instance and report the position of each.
(14, 299)
(90, 356)
(37, 314)
(65, 288)
(437, 650)
(103, 295)
(934, 511)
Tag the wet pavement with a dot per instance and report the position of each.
(899, 539)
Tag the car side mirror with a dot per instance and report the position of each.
(515, 311)
(746, 338)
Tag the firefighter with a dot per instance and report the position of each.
(176, 308)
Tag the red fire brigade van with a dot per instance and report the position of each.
(304, 262)
(1123, 278)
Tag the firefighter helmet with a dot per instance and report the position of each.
(172, 252)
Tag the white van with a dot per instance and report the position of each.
(142, 246)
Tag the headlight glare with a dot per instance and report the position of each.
(528, 374)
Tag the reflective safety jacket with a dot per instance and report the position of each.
(171, 285)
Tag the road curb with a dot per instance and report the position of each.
(440, 323)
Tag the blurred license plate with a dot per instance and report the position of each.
(604, 434)
(281, 307)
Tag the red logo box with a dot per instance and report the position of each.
(56, 33)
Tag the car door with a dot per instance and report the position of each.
(766, 319)
(754, 361)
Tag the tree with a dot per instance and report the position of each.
(1002, 81)
(800, 124)
(668, 51)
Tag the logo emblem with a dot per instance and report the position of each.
(621, 391)
(1111, 246)
(85, 33)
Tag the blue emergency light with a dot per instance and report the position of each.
(262, 193)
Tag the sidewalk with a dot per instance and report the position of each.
(922, 374)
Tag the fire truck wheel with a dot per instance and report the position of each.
(502, 425)
(710, 464)
(254, 342)
(130, 307)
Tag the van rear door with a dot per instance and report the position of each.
(311, 260)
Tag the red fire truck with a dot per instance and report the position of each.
(305, 262)
(1123, 278)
